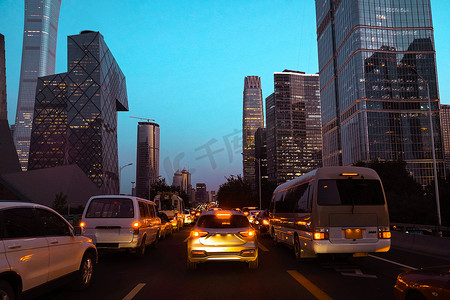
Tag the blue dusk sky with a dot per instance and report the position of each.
(185, 63)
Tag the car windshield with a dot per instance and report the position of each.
(212, 221)
(110, 208)
(350, 192)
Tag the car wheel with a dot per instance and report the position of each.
(86, 273)
(274, 238)
(6, 291)
(297, 249)
(253, 264)
(140, 251)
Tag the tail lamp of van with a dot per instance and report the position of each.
(136, 226)
(384, 233)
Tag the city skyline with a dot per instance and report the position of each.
(172, 46)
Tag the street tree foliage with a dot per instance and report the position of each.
(235, 192)
(160, 186)
(60, 203)
(407, 201)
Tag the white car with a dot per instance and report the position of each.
(37, 246)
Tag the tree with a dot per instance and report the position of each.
(406, 199)
(235, 192)
(60, 203)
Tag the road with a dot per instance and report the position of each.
(162, 274)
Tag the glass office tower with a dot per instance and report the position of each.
(253, 118)
(3, 106)
(75, 119)
(375, 58)
(38, 59)
(445, 123)
(294, 139)
(147, 158)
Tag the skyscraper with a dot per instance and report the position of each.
(294, 141)
(38, 59)
(3, 107)
(147, 158)
(253, 118)
(201, 195)
(182, 180)
(75, 120)
(261, 158)
(374, 59)
(445, 123)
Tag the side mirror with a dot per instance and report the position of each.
(77, 231)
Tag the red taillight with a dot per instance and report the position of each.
(82, 224)
(198, 234)
(136, 226)
(265, 222)
(384, 235)
(247, 233)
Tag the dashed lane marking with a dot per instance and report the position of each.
(262, 247)
(392, 262)
(134, 291)
(311, 287)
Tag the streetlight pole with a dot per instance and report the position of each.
(436, 185)
(120, 172)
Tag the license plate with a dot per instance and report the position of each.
(353, 234)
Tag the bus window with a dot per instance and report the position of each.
(302, 196)
(350, 192)
(285, 202)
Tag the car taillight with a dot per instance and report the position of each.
(82, 224)
(247, 233)
(321, 235)
(265, 222)
(198, 234)
(136, 226)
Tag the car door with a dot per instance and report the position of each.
(25, 247)
(155, 221)
(65, 250)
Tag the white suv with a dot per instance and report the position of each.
(37, 246)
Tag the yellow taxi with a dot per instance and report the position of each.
(222, 235)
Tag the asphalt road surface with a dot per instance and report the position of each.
(162, 274)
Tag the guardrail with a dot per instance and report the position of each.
(432, 229)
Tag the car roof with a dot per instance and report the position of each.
(122, 197)
(10, 204)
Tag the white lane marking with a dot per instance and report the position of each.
(392, 262)
(134, 291)
(358, 273)
(262, 247)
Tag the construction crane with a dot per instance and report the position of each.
(148, 120)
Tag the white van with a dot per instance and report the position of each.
(121, 222)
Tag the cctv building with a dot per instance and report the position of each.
(75, 118)
(377, 65)
(38, 59)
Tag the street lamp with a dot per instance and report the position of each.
(120, 172)
(259, 176)
(436, 185)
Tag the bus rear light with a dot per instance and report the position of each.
(321, 235)
(385, 235)
(349, 174)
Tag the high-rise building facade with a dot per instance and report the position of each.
(3, 106)
(253, 118)
(182, 180)
(147, 158)
(38, 59)
(375, 60)
(261, 158)
(75, 120)
(294, 140)
(445, 123)
(201, 195)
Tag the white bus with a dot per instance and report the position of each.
(331, 210)
(173, 206)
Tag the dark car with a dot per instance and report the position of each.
(261, 223)
(427, 283)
